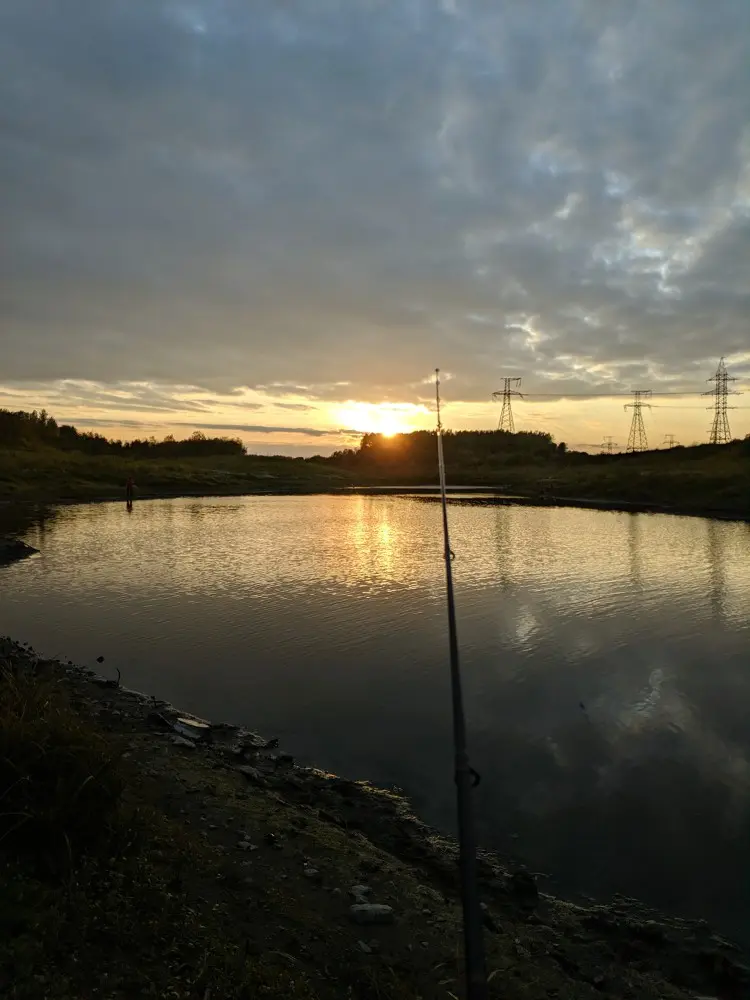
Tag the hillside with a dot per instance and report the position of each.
(45, 474)
(704, 478)
(42, 460)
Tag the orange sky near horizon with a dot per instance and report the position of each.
(304, 425)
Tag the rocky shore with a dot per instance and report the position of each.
(326, 887)
(12, 549)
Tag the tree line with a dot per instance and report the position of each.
(37, 429)
(484, 456)
(474, 450)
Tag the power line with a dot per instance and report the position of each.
(670, 441)
(505, 423)
(720, 433)
(609, 445)
(637, 440)
(610, 395)
(671, 406)
(693, 407)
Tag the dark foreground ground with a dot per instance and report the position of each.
(143, 861)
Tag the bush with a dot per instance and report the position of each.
(60, 784)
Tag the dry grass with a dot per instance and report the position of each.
(61, 787)
(93, 900)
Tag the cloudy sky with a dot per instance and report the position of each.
(274, 218)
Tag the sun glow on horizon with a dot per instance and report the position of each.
(387, 419)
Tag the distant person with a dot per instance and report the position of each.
(129, 488)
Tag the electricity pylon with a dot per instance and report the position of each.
(670, 441)
(609, 445)
(505, 423)
(720, 433)
(637, 438)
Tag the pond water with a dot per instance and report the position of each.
(606, 661)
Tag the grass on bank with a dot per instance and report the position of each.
(61, 787)
(704, 478)
(701, 479)
(712, 483)
(46, 474)
(91, 897)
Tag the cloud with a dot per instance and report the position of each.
(298, 197)
(101, 424)
(121, 396)
(223, 429)
(255, 429)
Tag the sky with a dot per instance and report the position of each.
(273, 220)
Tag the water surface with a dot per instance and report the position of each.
(605, 656)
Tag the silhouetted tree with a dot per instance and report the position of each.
(19, 429)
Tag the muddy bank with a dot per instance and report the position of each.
(292, 843)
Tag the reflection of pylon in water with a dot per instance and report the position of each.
(635, 548)
(720, 427)
(637, 438)
(505, 423)
(717, 561)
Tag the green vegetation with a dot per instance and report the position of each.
(20, 429)
(61, 786)
(46, 474)
(121, 876)
(703, 478)
(476, 457)
(42, 461)
(92, 889)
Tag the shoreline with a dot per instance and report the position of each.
(12, 550)
(623, 506)
(498, 497)
(318, 834)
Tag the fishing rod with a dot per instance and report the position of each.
(465, 776)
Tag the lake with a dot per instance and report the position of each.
(606, 660)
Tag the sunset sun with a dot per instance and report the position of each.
(390, 424)
(387, 419)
